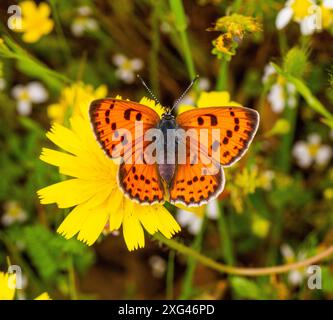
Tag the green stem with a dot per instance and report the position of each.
(181, 25)
(306, 93)
(170, 275)
(71, 279)
(222, 80)
(192, 263)
(237, 5)
(283, 44)
(153, 59)
(11, 50)
(287, 139)
(225, 240)
(66, 50)
(251, 272)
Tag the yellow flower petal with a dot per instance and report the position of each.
(7, 291)
(47, 27)
(44, 10)
(151, 104)
(31, 36)
(116, 202)
(148, 218)
(182, 108)
(43, 296)
(94, 224)
(168, 226)
(199, 211)
(64, 138)
(28, 7)
(73, 222)
(71, 192)
(215, 99)
(132, 229)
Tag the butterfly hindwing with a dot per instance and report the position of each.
(196, 184)
(234, 128)
(141, 182)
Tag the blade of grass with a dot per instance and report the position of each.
(170, 275)
(306, 93)
(187, 286)
(181, 25)
(222, 80)
(62, 39)
(155, 40)
(226, 244)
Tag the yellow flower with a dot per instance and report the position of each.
(242, 183)
(74, 97)
(233, 28)
(326, 16)
(237, 25)
(224, 44)
(7, 287)
(260, 226)
(7, 291)
(43, 296)
(210, 99)
(93, 189)
(35, 21)
(301, 8)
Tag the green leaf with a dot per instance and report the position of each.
(245, 289)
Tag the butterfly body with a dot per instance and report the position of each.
(167, 170)
(185, 171)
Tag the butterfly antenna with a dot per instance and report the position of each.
(149, 91)
(184, 93)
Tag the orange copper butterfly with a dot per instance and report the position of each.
(219, 137)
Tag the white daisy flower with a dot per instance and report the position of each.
(312, 152)
(189, 220)
(26, 95)
(328, 4)
(303, 12)
(268, 72)
(212, 209)
(280, 96)
(13, 212)
(83, 22)
(84, 11)
(296, 276)
(276, 98)
(193, 221)
(126, 68)
(158, 266)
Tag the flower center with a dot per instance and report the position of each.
(24, 95)
(127, 65)
(313, 149)
(301, 8)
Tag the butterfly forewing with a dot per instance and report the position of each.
(230, 131)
